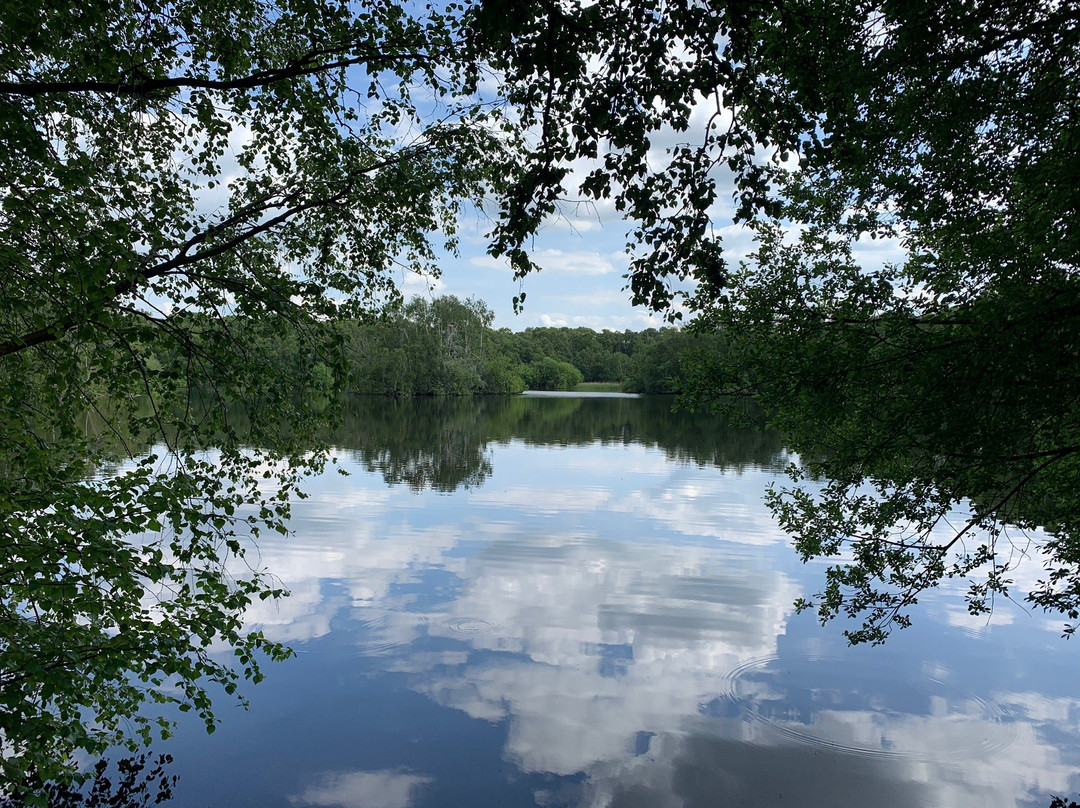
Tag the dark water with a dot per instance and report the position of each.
(583, 602)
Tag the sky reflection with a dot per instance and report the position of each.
(599, 625)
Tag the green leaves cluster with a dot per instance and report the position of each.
(186, 187)
(936, 397)
(946, 380)
(442, 346)
(447, 347)
(942, 433)
(130, 783)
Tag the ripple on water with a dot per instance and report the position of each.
(819, 702)
(471, 625)
(387, 631)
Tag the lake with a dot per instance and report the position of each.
(568, 601)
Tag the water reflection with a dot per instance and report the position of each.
(599, 642)
(360, 789)
(602, 617)
(442, 443)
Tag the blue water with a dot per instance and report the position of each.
(603, 617)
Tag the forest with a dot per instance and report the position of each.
(445, 346)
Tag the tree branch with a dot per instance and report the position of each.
(141, 85)
(185, 258)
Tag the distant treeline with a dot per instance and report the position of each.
(446, 346)
(430, 347)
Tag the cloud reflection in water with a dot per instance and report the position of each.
(360, 789)
(627, 621)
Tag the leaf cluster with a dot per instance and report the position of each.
(187, 187)
(945, 381)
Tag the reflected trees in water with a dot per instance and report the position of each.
(442, 443)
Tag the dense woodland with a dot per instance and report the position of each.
(447, 346)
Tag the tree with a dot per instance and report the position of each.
(189, 189)
(948, 379)
(549, 373)
(661, 366)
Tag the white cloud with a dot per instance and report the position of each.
(489, 262)
(412, 283)
(675, 617)
(553, 321)
(638, 320)
(579, 262)
(360, 789)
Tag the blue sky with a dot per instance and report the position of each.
(584, 259)
(581, 283)
(582, 252)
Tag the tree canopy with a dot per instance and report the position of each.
(173, 174)
(934, 397)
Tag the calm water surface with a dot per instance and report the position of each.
(584, 602)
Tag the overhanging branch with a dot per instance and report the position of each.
(184, 257)
(140, 85)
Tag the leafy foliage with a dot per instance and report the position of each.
(188, 187)
(443, 346)
(446, 346)
(946, 381)
(130, 786)
(938, 397)
(192, 192)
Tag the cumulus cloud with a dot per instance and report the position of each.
(361, 789)
(581, 262)
(611, 638)
(554, 321)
